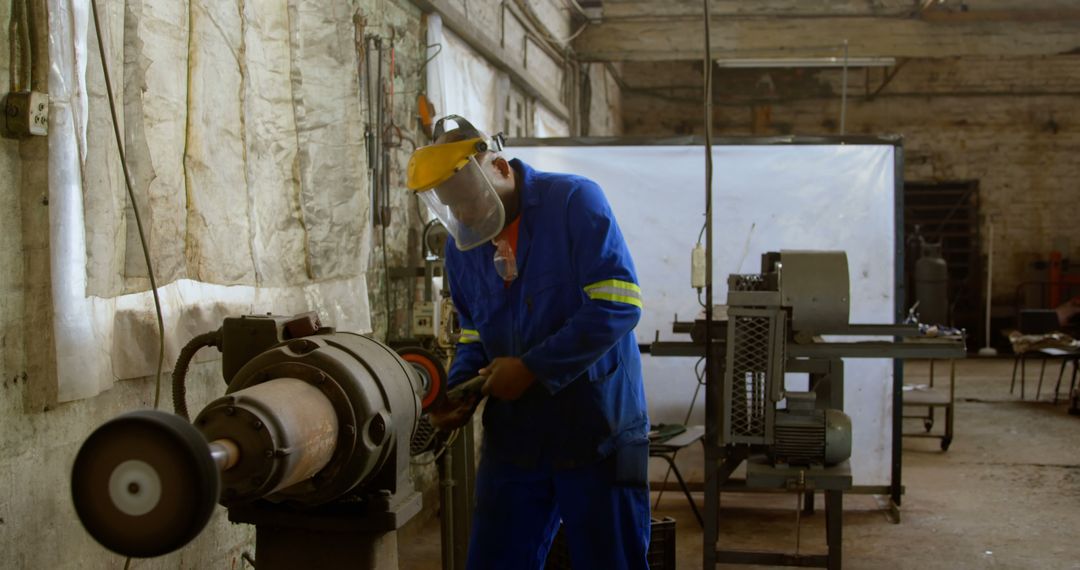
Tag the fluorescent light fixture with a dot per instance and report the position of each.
(807, 62)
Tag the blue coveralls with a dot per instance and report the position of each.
(574, 447)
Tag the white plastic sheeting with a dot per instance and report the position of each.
(547, 124)
(766, 198)
(461, 82)
(77, 320)
(469, 83)
(434, 71)
(256, 182)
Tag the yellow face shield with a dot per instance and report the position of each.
(456, 190)
(433, 164)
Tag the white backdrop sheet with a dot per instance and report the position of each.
(765, 198)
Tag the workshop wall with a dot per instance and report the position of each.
(232, 170)
(249, 162)
(1010, 123)
(604, 109)
(250, 166)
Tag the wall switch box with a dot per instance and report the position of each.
(423, 320)
(26, 114)
(697, 267)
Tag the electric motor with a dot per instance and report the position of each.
(811, 437)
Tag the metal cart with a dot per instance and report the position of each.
(931, 397)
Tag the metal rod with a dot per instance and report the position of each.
(989, 274)
(447, 514)
(899, 305)
(712, 496)
(843, 93)
(376, 205)
(225, 453)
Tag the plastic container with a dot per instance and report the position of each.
(661, 554)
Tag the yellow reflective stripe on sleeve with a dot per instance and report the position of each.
(469, 336)
(616, 291)
(615, 284)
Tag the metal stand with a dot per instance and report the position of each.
(833, 481)
(792, 440)
(761, 475)
(457, 474)
(339, 535)
(278, 548)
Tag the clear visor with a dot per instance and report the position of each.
(468, 206)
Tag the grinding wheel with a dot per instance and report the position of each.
(144, 484)
(431, 370)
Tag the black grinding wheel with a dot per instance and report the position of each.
(144, 483)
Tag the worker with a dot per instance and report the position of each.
(547, 298)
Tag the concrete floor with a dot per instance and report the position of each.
(1005, 495)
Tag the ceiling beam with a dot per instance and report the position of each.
(654, 9)
(683, 39)
(1016, 16)
(660, 9)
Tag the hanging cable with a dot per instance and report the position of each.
(19, 37)
(179, 375)
(134, 205)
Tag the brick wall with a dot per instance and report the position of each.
(1013, 124)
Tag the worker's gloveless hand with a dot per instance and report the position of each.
(507, 378)
(452, 414)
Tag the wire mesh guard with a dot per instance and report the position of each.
(749, 370)
(424, 438)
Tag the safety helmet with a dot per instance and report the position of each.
(450, 179)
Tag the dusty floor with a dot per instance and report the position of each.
(1005, 495)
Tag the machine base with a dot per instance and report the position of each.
(279, 548)
(339, 535)
(760, 474)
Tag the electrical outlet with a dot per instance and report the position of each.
(423, 320)
(26, 114)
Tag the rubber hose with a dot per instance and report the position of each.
(179, 375)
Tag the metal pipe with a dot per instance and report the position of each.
(712, 496)
(447, 512)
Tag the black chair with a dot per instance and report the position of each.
(666, 448)
(1074, 358)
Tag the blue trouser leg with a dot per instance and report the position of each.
(517, 514)
(607, 524)
(515, 517)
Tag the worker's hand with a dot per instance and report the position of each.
(507, 378)
(450, 414)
